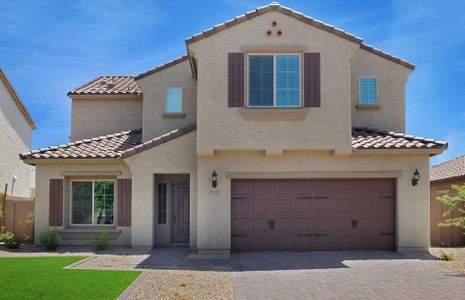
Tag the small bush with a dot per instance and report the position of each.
(447, 256)
(10, 240)
(103, 243)
(49, 239)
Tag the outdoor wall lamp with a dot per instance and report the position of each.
(214, 179)
(416, 177)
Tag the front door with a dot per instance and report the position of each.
(180, 213)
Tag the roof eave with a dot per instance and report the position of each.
(397, 151)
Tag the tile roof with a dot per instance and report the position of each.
(366, 138)
(108, 146)
(128, 143)
(162, 67)
(274, 6)
(447, 170)
(109, 85)
(159, 140)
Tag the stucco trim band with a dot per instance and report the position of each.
(90, 173)
(315, 174)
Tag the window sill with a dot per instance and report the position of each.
(173, 115)
(368, 106)
(87, 233)
(274, 114)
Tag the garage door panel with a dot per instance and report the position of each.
(323, 205)
(313, 215)
(343, 205)
(261, 206)
(324, 224)
(366, 204)
(240, 225)
(303, 187)
(302, 206)
(261, 188)
(260, 225)
(302, 224)
(283, 206)
(241, 206)
(283, 225)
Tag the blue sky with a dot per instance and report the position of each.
(49, 47)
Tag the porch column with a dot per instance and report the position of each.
(142, 210)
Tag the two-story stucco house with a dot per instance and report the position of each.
(16, 126)
(275, 132)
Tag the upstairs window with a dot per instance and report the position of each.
(368, 90)
(174, 100)
(274, 80)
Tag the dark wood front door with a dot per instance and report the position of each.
(313, 215)
(180, 213)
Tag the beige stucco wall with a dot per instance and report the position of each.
(154, 88)
(45, 172)
(220, 127)
(174, 157)
(391, 81)
(91, 117)
(15, 138)
(214, 206)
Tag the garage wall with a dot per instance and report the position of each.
(214, 205)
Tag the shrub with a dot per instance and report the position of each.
(10, 240)
(447, 256)
(49, 239)
(102, 244)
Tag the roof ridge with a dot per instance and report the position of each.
(449, 161)
(81, 141)
(162, 66)
(161, 139)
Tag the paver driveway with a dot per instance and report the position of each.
(344, 275)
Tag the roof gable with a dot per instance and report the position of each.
(18, 101)
(274, 6)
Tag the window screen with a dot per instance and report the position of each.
(162, 201)
(368, 92)
(287, 80)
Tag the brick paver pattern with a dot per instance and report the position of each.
(345, 275)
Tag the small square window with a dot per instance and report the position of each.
(174, 100)
(368, 90)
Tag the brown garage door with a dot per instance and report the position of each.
(313, 215)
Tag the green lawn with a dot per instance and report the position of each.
(45, 278)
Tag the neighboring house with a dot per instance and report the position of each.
(274, 132)
(16, 126)
(442, 176)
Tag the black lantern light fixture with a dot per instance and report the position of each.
(214, 179)
(416, 177)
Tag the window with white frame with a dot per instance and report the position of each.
(174, 100)
(368, 90)
(93, 202)
(274, 80)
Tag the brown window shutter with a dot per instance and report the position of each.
(124, 201)
(236, 79)
(312, 80)
(56, 203)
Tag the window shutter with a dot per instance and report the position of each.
(312, 80)
(236, 79)
(56, 203)
(124, 201)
